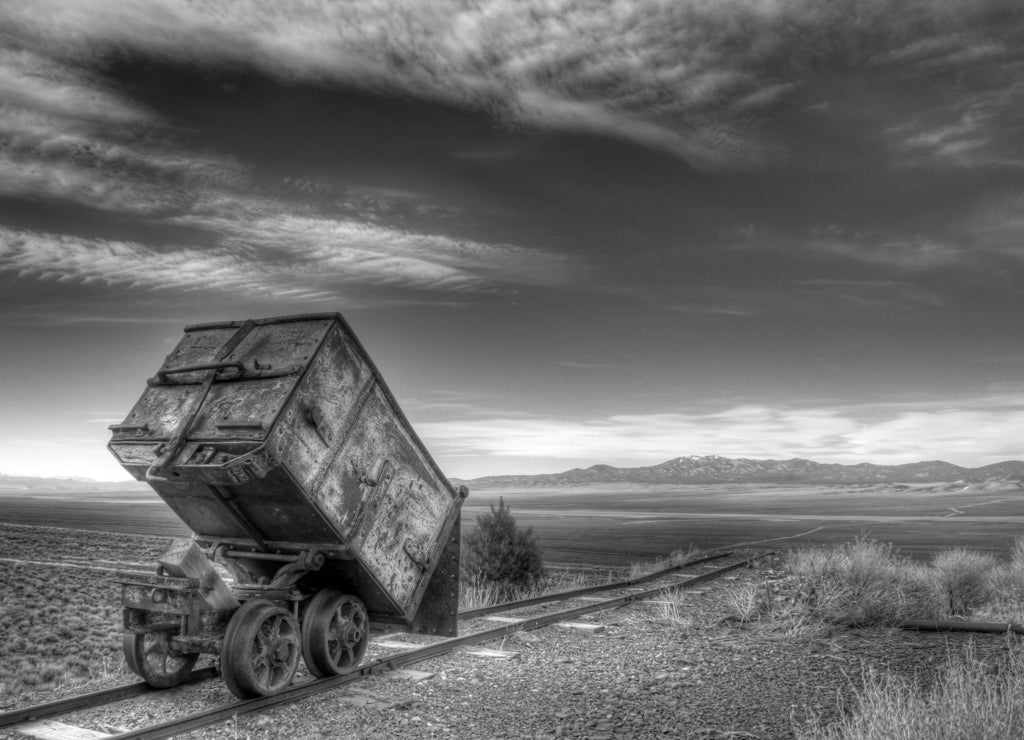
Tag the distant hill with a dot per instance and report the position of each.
(29, 483)
(715, 469)
(693, 469)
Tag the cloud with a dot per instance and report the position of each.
(702, 309)
(286, 257)
(33, 81)
(997, 225)
(65, 135)
(874, 294)
(909, 253)
(113, 179)
(972, 95)
(693, 77)
(970, 432)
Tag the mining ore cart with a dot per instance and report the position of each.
(316, 511)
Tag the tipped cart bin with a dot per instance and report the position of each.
(279, 445)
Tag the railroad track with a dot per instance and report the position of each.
(305, 688)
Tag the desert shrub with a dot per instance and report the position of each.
(749, 601)
(863, 582)
(971, 700)
(1006, 583)
(474, 592)
(676, 557)
(501, 553)
(963, 579)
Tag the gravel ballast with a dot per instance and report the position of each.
(642, 671)
(642, 676)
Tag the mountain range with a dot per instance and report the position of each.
(706, 469)
(709, 469)
(30, 483)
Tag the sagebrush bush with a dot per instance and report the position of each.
(964, 579)
(1006, 584)
(501, 553)
(863, 582)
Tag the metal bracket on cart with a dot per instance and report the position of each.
(282, 586)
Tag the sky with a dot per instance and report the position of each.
(567, 232)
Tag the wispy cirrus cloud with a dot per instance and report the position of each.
(874, 294)
(115, 179)
(287, 257)
(996, 225)
(970, 117)
(911, 253)
(695, 78)
(967, 431)
(66, 135)
(32, 80)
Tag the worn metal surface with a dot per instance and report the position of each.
(282, 430)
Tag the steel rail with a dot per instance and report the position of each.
(93, 699)
(296, 692)
(120, 693)
(566, 595)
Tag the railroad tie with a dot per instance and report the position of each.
(52, 730)
(395, 645)
(499, 654)
(413, 676)
(589, 627)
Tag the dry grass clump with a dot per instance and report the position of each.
(672, 608)
(646, 567)
(964, 578)
(476, 593)
(863, 582)
(748, 602)
(971, 700)
(1006, 582)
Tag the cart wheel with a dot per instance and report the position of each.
(261, 649)
(335, 632)
(151, 656)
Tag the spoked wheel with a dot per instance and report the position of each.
(261, 649)
(335, 632)
(151, 656)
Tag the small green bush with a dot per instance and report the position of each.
(500, 552)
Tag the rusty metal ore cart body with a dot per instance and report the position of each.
(277, 442)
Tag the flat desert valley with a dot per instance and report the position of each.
(623, 523)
